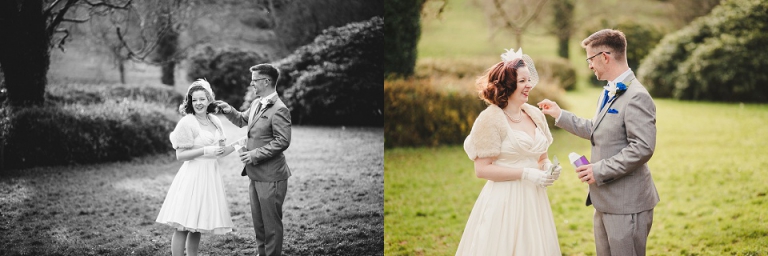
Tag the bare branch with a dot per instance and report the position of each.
(76, 20)
(59, 17)
(142, 53)
(109, 5)
(533, 15)
(61, 42)
(49, 10)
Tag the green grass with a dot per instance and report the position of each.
(333, 206)
(709, 168)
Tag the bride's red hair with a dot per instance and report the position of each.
(499, 82)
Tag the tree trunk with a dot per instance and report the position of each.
(121, 69)
(562, 48)
(167, 46)
(24, 52)
(167, 68)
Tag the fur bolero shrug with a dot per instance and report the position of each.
(490, 129)
(187, 129)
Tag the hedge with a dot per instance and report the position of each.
(718, 57)
(82, 124)
(337, 79)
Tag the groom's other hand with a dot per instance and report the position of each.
(550, 108)
(585, 174)
(245, 157)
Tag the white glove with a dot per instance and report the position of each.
(555, 172)
(538, 177)
(210, 150)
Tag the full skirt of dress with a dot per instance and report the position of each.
(512, 217)
(196, 200)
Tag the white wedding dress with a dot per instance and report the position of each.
(512, 217)
(196, 200)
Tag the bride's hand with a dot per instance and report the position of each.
(556, 169)
(538, 177)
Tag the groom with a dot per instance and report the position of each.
(269, 134)
(623, 137)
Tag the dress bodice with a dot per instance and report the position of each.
(521, 150)
(207, 138)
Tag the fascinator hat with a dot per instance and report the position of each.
(519, 60)
(204, 84)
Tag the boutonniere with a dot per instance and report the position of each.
(617, 89)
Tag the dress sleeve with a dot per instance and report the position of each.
(487, 133)
(183, 136)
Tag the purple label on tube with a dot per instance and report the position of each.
(581, 161)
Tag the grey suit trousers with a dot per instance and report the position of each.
(267, 212)
(622, 234)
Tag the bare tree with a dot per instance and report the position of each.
(562, 24)
(36, 27)
(511, 16)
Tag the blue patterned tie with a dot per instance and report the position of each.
(605, 100)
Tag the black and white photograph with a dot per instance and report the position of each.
(191, 127)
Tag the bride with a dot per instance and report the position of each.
(508, 144)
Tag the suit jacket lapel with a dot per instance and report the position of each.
(263, 109)
(610, 102)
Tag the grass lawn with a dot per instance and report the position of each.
(709, 167)
(333, 206)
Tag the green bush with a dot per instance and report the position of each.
(403, 29)
(558, 69)
(79, 133)
(337, 79)
(718, 57)
(641, 39)
(227, 70)
(419, 115)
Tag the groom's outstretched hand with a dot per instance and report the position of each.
(585, 174)
(226, 108)
(550, 108)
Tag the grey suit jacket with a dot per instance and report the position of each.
(623, 136)
(269, 134)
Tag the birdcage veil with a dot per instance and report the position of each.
(511, 55)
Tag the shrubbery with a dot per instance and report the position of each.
(419, 115)
(227, 70)
(559, 69)
(718, 57)
(337, 79)
(88, 124)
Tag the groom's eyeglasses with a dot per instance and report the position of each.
(256, 80)
(589, 60)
